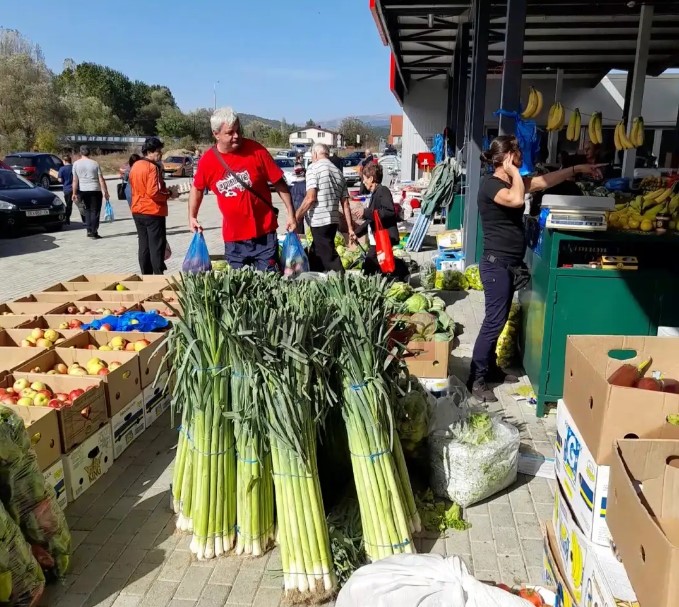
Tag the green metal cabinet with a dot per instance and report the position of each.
(582, 301)
(455, 213)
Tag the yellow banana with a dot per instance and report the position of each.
(634, 133)
(531, 105)
(640, 132)
(616, 138)
(664, 195)
(562, 116)
(571, 127)
(599, 128)
(538, 106)
(591, 128)
(578, 125)
(674, 203)
(653, 211)
(624, 139)
(552, 117)
(637, 203)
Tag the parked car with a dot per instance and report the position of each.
(35, 166)
(356, 155)
(390, 150)
(4, 166)
(178, 166)
(350, 169)
(23, 204)
(287, 154)
(287, 165)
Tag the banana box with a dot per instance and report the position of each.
(584, 482)
(127, 425)
(54, 477)
(572, 546)
(553, 569)
(605, 582)
(88, 462)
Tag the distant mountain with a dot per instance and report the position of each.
(246, 119)
(374, 120)
(379, 122)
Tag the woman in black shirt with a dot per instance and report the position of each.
(501, 207)
(382, 201)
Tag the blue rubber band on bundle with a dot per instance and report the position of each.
(206, 369)
(239, 375)
(400, 545)
(372, 456)
(254, 537)
(357, 387)
(246, 461)
(193, 444)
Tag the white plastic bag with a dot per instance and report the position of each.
(425, 580)
(464, 472)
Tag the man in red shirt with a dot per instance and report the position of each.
(238, 171)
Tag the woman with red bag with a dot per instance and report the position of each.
(385, 229)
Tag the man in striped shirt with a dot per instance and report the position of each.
(326, 198)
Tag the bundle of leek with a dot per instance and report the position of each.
(298, 323)
(388, 513)
(204, 492)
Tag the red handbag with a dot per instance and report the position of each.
(385, 252)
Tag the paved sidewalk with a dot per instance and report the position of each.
(127, 552)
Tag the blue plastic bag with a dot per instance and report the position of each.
(527, 136)
(197, 257)
(293, 258)
(146, 322)
(108, 212)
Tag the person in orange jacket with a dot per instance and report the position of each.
(149, 206)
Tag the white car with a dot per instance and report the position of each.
(287, 165)
(287, 154)
(351, 172)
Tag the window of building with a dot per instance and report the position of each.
(320, 135)
(302, 135)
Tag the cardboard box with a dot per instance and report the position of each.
(643, 514)
(42, 426)
(58, 321)
(102, 278)
(450, 240)
(88, 462)
(94, 305)
(78, 286)
(13, 321)
(12, 357)
(156, 399)
(606, 582)
(121, 385)
(553, 569)
(120, 297)
(605, 413)
(55, 478)
(86, 414)
(54, 297)
(571, 546)
(139, 285)
(127, 425)
(170, 310)
(12, 338)
(428, 358)
(584, 482)
(31, 309)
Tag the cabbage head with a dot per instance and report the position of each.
(417, 303)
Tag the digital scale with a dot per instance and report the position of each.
(577, 212)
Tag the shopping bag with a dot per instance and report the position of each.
(197, 257)
(120, 190)
(293, 258)
(385, 252)
(168, 251)
(108, 212)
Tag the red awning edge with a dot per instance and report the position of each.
(378, 21)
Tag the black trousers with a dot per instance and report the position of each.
(152, 241)
(498, 287)
(323, 255)
(92, 202)
(68, 201)
(372, 266)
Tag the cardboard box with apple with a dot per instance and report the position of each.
(69, 297)
(604, 412)
(83, 285)
(151, 348)
(157, 397)
(87, 463)
(119, 371)
(12, 357)
(428, 359)
(127, 425)
(553, 569)
(42, 426)
(54, 477)
(42, 339)
(108, 279)
(643, 514)
(15, 321)
(169, 311)
(122, 298)
(80, 403)
(29, 309)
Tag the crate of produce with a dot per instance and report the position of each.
(12, 357)
(77, 286)
(127, 425)
(42, 425)
(58, 297)
(123, 297)
(34, 338)
(80, 403)
(101, 278)
(29, 309)
(88, 462)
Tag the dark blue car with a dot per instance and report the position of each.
(23, 204)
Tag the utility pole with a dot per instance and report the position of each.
(214, 92)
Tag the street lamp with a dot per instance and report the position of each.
(214, 91)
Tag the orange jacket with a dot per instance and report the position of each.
(149, 194)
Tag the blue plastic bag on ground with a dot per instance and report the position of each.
(197, 257)
(146, 322)
(293, 258)
(108, 212)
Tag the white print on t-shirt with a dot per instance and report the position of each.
(230, 187)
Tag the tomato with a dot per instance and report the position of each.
(531, 596)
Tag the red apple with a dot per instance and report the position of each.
(103, 371)
(114, 365)
(46, 392)
(91, 347)
(73, 394)
(130, 347)
(9, 400)
(141, 344)
(61, 396)
(37, 334)
(106, 327)
(55, 403)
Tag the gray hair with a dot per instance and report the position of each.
(321, 149)
(223, 116)
(84, 150)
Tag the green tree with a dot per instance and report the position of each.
(200, 125)
(89, 116)
(309, 123)
(173, 123)
(356, 131)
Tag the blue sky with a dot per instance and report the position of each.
(297, 59)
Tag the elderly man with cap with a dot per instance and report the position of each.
(149, 206)
(90, 186)
(238, 171)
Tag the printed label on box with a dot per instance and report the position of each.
(584, 482)
(156, 400)
(54, 477)
(88, 462)
(127, 425)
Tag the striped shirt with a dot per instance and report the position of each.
(328, 181)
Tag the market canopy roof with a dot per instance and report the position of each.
(587, 38)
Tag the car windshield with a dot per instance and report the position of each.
(174, 159)
(351, 162)
(11, 181)
(18, 161)
(285, 163)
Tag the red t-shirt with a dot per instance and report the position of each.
(245, 215)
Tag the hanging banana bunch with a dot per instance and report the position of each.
(594, 129)
(636, 135)
(557, 117)
(622, 141)
(574, 126)
(534, 106)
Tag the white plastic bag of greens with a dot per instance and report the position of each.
(472, 454)
(426, 580)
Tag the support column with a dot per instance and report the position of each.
(553, 140)
(461, 51)
(454, 92)
(477, 114)
(638, 81)
(510, 97)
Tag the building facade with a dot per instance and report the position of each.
(315, 134)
